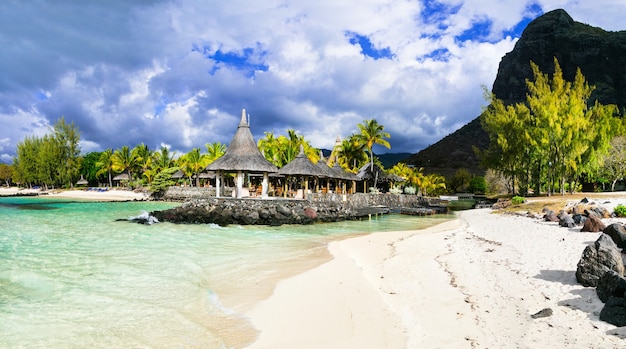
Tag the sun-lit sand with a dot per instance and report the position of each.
(96, 195)
(473, 282)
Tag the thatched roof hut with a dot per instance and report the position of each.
(82, 181)
(242, 156)
(302, 166)
(242, 153)
(178, 174)
(122, 177)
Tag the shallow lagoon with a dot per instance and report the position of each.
(73, 276)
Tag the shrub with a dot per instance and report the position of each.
(410, 190)
(620, 210)
(477, 185)
(517, 200)
(395, 190)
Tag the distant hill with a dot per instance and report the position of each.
(390, 159)
(600, 54)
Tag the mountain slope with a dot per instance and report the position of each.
(601, 56)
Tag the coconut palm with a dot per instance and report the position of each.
(142, 156)
(123, 161)
(215, 151)
(162, 159)
(371, 132)
(105, 165)
(433, 183)
(193, 163)
(351, 154)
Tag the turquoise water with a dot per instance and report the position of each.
(73, 276)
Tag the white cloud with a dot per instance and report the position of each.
(129, 73)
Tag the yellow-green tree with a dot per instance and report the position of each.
(552, 138)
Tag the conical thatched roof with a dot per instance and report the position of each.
(178, 174)
(301, 166)
(340, 173)
(242, 153)
(324, 167)
(82, 181)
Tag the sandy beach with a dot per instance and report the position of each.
(92, 195)
(473, 282)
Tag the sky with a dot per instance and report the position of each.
(177, 73)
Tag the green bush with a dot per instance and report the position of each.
(620, 210)
(477, 185)
(517, 200)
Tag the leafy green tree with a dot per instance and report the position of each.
(283, 149)
(554, 137)
(142, 158)
(193, 163)
(6, 173)
(371, 132)
(477, 185)
(89, 167)
(67, 138)
(105, 165)
(615, 161)
(351, 153)
(461, 181)
(215, 151)
(123, 161)
(163, 159)
(163, 180)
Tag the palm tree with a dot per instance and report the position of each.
(105, 164)
(142, 156)
(215, 151)
(162, 159)
(432, 183)
(269, 147)
(193, 163)
(351, 153)
(373, 133)
(123, 161)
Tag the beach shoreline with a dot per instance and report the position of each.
(472, 282)
(109, 195)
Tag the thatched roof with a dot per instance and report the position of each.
(301, 166)
(242, 153)
(122, 177)
(205, 175)
(82, 181)
(366, 173)
(324, 167)
(178, 174)
(340, 173)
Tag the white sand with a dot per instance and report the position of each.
(92, 195)
(470, 283)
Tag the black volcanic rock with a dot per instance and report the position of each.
(600, 54)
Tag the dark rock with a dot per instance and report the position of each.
(617, 232)
(550, 216)
(614, 311)
(579, 219)
(611, 284)
(584, 201)
(597, 259)
(546, 312)
(593, 224)
(567, 221)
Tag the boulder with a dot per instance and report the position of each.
(597, 259)
(567, 221)
(617, 232)
(550, 216)
(593, 224)
(310, 213)
(611, 284)
(614, 311)
(579, 219)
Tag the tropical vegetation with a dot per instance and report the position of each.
(554, 139)
(38, 158)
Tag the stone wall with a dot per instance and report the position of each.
(200, 206)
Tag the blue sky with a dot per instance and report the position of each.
(177, 73)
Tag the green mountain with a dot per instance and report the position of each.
(600, 55)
